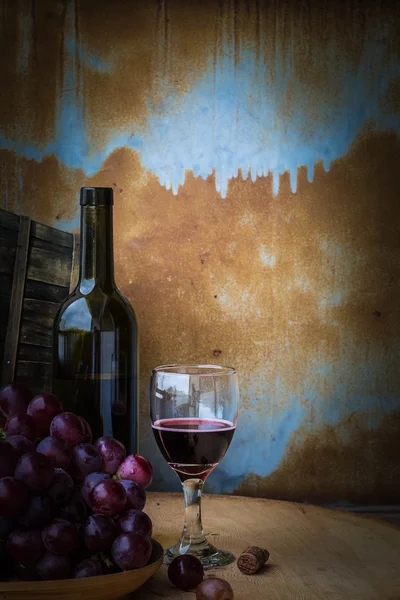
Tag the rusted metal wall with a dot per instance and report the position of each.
(253, 148)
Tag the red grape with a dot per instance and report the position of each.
(3, 422)
(57, 450)
(91, 567)
(35, 470)
(43, 409)
(214, 588)
(135, 494)
(21, 424)
(76, 510)
(107, 498)
(135, 521)
(88, 432)
(89, 482)
(69, 427)
(25, 546)
(61, 488)
(112, 453)
(8, 459)
(14, 497)
(60, 537)
(99, 533)
(14, 398)
(26, 571)
(6, 526)
(186, 572)
(131, 551)
(38, 514)
(136, 468)
(21, 444)
(86, 459)
(54, 566)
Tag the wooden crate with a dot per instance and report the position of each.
(35, 278)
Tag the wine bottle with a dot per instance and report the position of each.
(95, 342)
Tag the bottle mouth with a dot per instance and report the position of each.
(194, 369)
(96, 196)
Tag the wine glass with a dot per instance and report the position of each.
(194, 410)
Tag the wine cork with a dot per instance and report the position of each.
(252, 559)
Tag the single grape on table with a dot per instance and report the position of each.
(186, 572)
(69, 508)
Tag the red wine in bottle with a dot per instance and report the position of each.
(95, 361)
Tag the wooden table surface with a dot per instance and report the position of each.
(315, 553)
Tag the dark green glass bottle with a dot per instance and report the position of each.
(95, 366)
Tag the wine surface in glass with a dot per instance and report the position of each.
(193, 446)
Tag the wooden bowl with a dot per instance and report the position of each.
(103, 587)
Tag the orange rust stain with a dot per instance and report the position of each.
(319, 467)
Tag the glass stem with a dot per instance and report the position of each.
(193, 529)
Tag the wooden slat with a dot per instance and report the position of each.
(5, 284)
(33, 371)
(17, 294)
(10, 235)
(49, 268)
(7, 256)
(37, 322)
(9, 220)
(75, 262)
(34, 353)
(38, 290)
(50, 234)
(53, 248)
(4, 312)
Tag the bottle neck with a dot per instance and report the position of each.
(97, 258)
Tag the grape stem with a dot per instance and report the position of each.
(2, 434)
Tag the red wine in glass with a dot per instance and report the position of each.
(193, 446)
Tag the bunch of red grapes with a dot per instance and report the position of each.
(68, 507)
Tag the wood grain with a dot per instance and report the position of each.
(38, 290)
(315, 553)
(7, 256)
(9, 220)
(37, 322)
(17, 295)
(48, 267)
(50, 234)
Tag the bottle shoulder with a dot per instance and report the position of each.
(95, 309)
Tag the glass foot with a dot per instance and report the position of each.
(209, 555)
